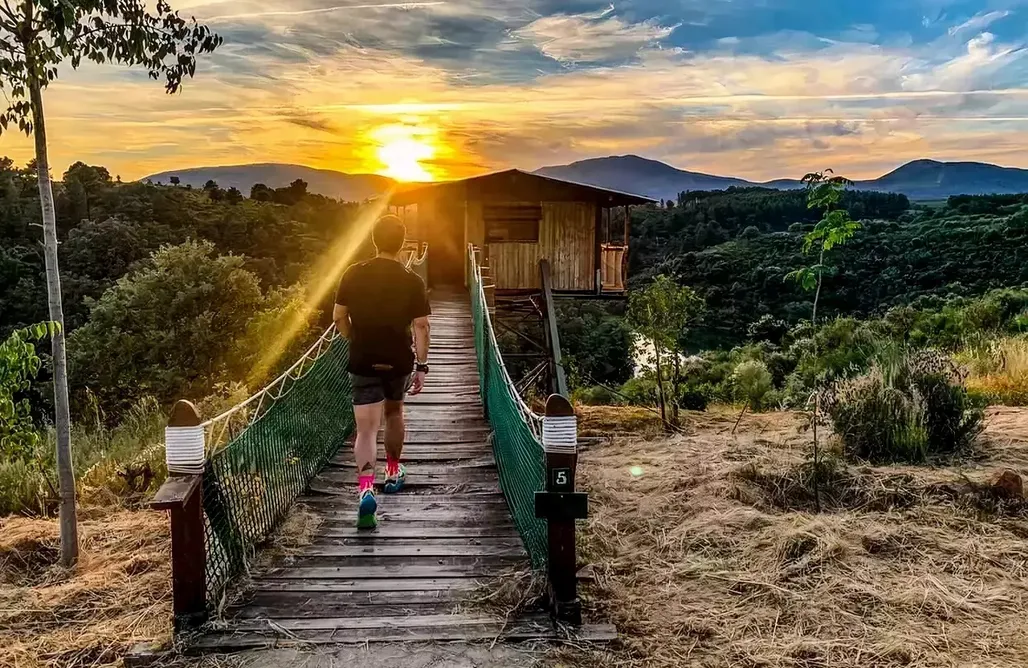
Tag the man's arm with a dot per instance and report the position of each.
(422, 334)
(341, 317)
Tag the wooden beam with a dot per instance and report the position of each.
(560, 382)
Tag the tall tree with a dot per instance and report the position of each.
(36, 36)
(824, 191)
(663, 313)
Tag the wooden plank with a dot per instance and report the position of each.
(508, 632)
(411, 500)
(316, 607)
(426, 549)
(370, 623)
(474, 456)
(361, 585)
(412, 530)
(426, 487)
(370, 538)
(418, 478)
(489, 567)
(440, 468)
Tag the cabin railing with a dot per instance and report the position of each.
(612, 267)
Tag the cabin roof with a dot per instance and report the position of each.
(517, 184)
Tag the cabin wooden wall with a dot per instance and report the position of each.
(567, 238)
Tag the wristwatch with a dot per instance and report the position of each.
(421, 368)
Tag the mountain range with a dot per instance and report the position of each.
(918, 180)
(348, 187)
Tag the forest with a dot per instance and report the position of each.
(952, 276)
(169, 292)
(187, 283)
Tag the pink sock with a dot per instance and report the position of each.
(392, 465)
(366, 482)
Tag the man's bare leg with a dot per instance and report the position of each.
(395, 431)
(365, 449)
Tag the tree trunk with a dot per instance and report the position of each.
(676, 390)
(65, 473)
(817, 387)
(660, 384)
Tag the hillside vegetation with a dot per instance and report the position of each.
(169, 292)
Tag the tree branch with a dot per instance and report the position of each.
(6, 10)
(114, 26)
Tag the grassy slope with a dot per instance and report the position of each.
(701, 561)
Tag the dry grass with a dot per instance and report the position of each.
(700, 561)
(1000, 371)
(116, 596)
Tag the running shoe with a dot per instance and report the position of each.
(366, 517)
(394, 482)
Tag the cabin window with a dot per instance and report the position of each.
(512, 222)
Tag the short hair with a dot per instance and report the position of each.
(389, 234)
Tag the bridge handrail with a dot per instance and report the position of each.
(533, 419)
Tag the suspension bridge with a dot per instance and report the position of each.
(490, 491)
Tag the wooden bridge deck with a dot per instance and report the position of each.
(444, 537)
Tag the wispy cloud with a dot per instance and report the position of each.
(321, 10)
(591, 37)
(979, 22)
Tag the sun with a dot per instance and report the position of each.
(401, 149)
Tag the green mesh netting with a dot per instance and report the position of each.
(519, 455)
(250, 484)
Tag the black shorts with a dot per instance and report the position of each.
(375, 389)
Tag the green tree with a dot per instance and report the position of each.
(170, 329)
(754, 382)
(36, 37)
(662, 313)
(824, 191)
(19, 365)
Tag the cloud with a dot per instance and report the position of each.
(591, 37)
(305, 81)
(978, 22)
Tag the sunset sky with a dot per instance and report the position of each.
(752, 88)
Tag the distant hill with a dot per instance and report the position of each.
(349, 187)
(642, 176)
(920, 179)
(930, 179)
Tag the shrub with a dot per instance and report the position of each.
(754, 382)
(640, 391)
(907, 407)
(595, 396)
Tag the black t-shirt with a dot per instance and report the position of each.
(382, 298)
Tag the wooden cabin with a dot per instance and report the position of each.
(517, 219)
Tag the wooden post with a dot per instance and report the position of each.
(182, 495)
(598, 254)
(560, 505)
(558, 376)
(489, 288)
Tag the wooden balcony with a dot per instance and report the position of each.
(613, 267)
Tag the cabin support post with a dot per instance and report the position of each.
(182, 496)
(558, 377)
(561, 505)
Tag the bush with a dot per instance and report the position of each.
(595, 396)
(753, 381)
(640, 391)
(909, 408)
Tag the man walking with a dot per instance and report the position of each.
(376, 306)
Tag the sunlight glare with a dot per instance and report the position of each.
(327, 271)
(401, 148)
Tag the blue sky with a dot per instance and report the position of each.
(752, 88)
